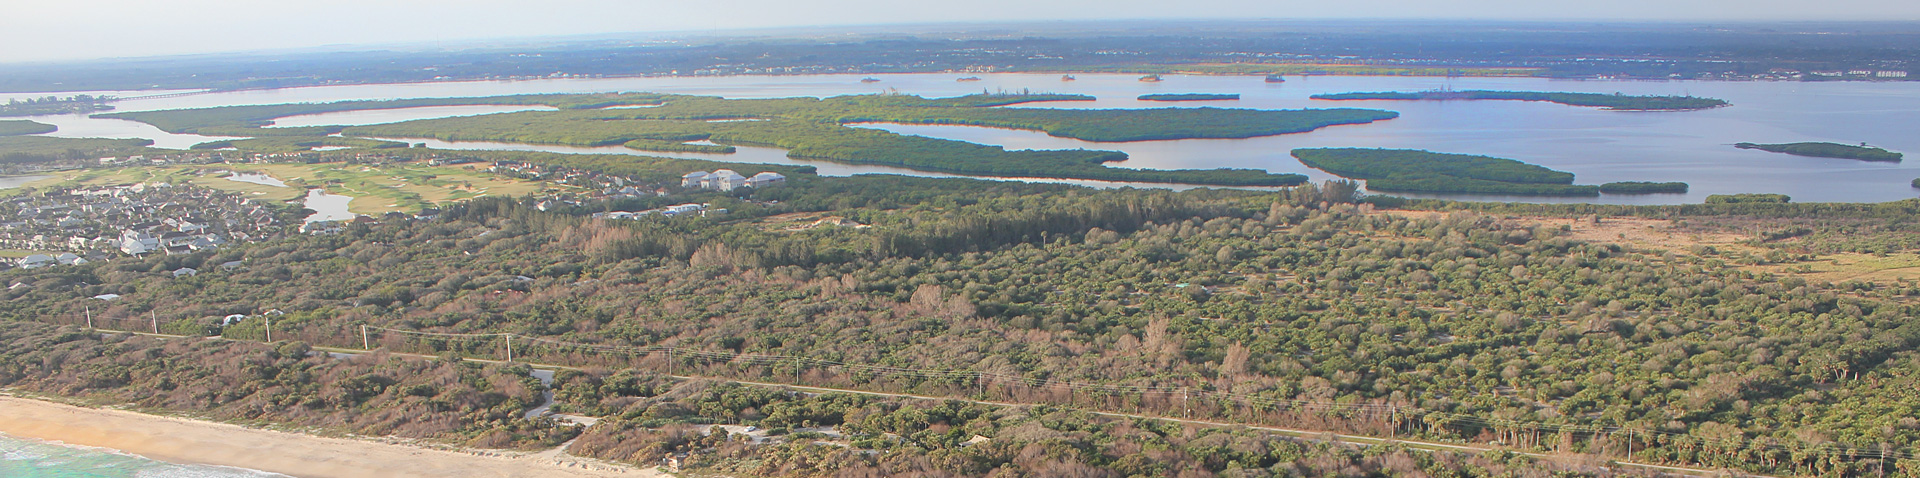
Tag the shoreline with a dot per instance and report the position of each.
(195, 442)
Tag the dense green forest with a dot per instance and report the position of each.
(1295, 308)
(285, 383)
(1643, 187)
(1189, 97)
(1614, 101)
(54, 105)
(1827, 150)
(25, 127)
(1409, 170)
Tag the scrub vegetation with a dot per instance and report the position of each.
(1299, 308)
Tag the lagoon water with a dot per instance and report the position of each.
(10, 182)
(1597, 145)
(24, 458)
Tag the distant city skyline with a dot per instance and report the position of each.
(91, 29)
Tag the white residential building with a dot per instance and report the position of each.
(766, 178)
(696, 179)
(1890, 74)
(728, 180)
(725, 180)
(137, 243)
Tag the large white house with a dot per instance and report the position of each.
(766, 178)
(728, 180)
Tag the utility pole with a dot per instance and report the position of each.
(1185, 402)
(155, 317)
(364, 342)
(509, 348)
(89, 317)
(269, 318)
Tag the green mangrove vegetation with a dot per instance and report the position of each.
(814, 128)
(1750, 198)
(25, 127)
(1189, 97)
(811, 128)
(1614, 101)
(1643, 187)
(1827, 150)
(1417, 171)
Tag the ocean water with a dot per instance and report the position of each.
(25, 458)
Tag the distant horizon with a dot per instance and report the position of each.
(124, 29)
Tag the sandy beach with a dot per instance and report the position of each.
(185, 441)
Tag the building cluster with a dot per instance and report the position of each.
(727, 180)
(147, 218)
(703, 210)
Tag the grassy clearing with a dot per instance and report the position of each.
(1845, 267)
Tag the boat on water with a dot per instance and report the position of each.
(869, 80)
(1276, 79)
(1067, 78)
(1150, 78)
(970, 78)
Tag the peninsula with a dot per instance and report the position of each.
(1189, 97)
(25, 127)
(1417, 171)
(1828, 150)
(1616, 101)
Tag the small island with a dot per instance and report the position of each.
(1643, 187)
(1418, 171)
(24, 127)
(1827, 150)
(1615, 102)
(1189, 97)
(1750, 198)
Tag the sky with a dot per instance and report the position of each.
(55, 30)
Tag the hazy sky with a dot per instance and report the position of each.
(35, 30)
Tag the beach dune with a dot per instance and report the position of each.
(177, 440)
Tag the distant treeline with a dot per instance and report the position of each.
(1189, 97)
(25, 127)
(1827, 150)
(1614, 101)
(39, 149)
